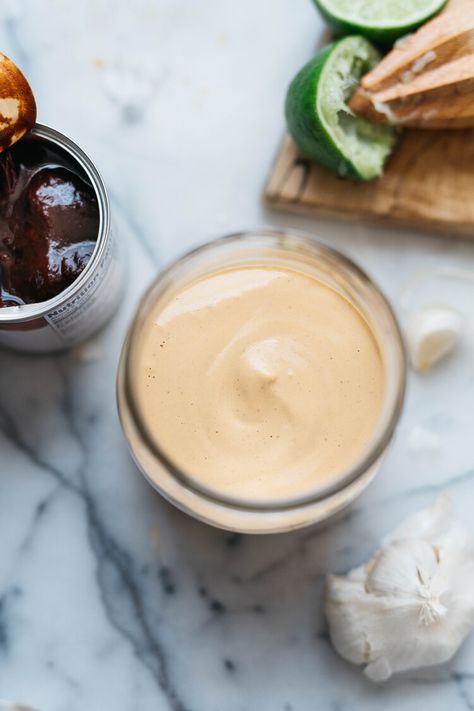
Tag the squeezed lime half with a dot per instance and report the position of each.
(319, 120)
(382, 21)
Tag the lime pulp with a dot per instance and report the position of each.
(319, 120)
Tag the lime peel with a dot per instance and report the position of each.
(379, 20)
(319, 120)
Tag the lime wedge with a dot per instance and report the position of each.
(381, 21)
(320, 121)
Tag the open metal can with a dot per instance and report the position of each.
(90, 301)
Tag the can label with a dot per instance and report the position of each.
(76, 318)
(87, 310)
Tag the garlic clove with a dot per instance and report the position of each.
(432, 333)
(403, 569)
(344, 600)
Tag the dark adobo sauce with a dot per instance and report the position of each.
(49, 222)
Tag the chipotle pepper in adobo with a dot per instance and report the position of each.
(49, 221)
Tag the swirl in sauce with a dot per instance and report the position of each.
(260, 382)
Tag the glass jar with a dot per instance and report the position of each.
(297, 251)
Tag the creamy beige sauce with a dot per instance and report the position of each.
(260, 382)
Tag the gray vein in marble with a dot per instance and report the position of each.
(459, 680)
(457, 480)
(126, 611)
(39, 513)
(10, 430)
(66, 678)
(357, 510)
(3, 624)
(275, 565)
(115, 569)
(7, 600)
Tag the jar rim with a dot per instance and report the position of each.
(287, 240)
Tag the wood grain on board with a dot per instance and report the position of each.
(428, 183)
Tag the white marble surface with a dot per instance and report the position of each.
(109, 598)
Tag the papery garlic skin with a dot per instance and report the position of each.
(431, 334)
(412, 604)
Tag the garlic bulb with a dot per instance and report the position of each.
(432, 332)
(412, 604)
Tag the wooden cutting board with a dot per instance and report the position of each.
(428, 185)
